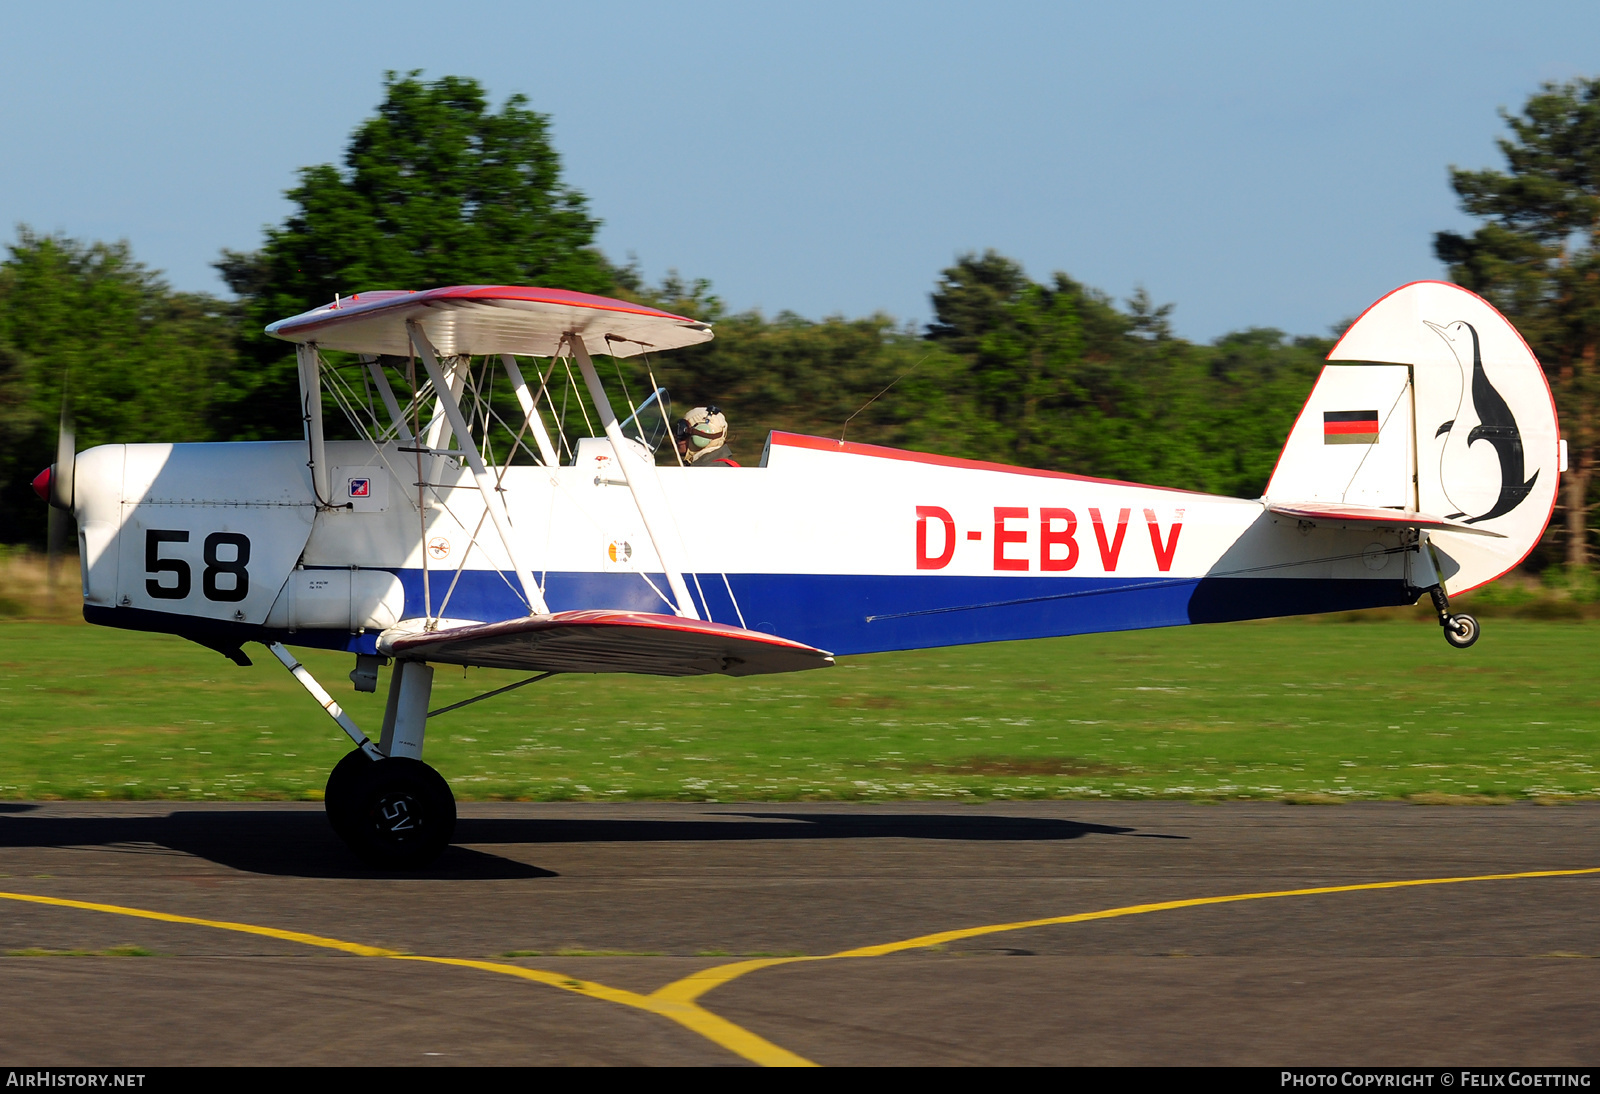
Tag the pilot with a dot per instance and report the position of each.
(702, 436)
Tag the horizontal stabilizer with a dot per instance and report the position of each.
(607, 641)
(1347, 515)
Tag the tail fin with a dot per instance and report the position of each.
(1448, 413)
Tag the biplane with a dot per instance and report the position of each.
(470, 520)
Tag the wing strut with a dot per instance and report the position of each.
(440, 425)
(386, 393)
(311, 413)
(547, 451)
(493, 497)
(642, 482)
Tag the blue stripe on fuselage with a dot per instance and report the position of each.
(846, 613)
(853, 613)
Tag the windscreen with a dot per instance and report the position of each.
(652, 422)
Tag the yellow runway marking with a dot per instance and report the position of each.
(686, 1013)
(697, 984)
(677, 1001)
(220, 924)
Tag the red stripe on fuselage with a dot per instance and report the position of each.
(853, 448)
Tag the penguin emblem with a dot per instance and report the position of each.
(1486, 478)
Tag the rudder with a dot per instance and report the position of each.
(1448, 413)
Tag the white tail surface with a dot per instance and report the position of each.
(1449, 413)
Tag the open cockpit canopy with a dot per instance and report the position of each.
(485, 319)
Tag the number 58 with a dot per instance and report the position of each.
(216, 567)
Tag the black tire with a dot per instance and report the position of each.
(402, 814)
(1461, 631)
(338, 800)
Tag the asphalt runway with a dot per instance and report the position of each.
(669, 934)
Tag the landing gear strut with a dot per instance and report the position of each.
(388, 806)
(1460, 631)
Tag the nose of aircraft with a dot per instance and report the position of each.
(41, 484)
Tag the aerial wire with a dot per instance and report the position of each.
(878, 396)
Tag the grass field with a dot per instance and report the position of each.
(1297, 710)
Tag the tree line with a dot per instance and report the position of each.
(438, 188)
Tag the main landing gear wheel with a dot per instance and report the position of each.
(396, 813)
(1461, 631)
(338, 798)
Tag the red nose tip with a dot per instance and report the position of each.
(41, 484)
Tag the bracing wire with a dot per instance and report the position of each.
(633, 411)
(561, 426)
(726, 584)
(587, 424)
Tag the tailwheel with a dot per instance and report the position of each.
(396, 813)
(1461, 631)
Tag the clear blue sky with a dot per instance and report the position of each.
(1257, 164)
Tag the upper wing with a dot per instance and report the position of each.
(481, 319)
(1337, 513)
(608, 641)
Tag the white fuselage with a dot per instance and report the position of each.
(847, 547)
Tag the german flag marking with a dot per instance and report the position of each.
(1350, 427)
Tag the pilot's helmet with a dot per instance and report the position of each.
(704, 428)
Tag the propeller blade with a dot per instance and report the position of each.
(58, 531)
(57, 539)
(66, 454)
